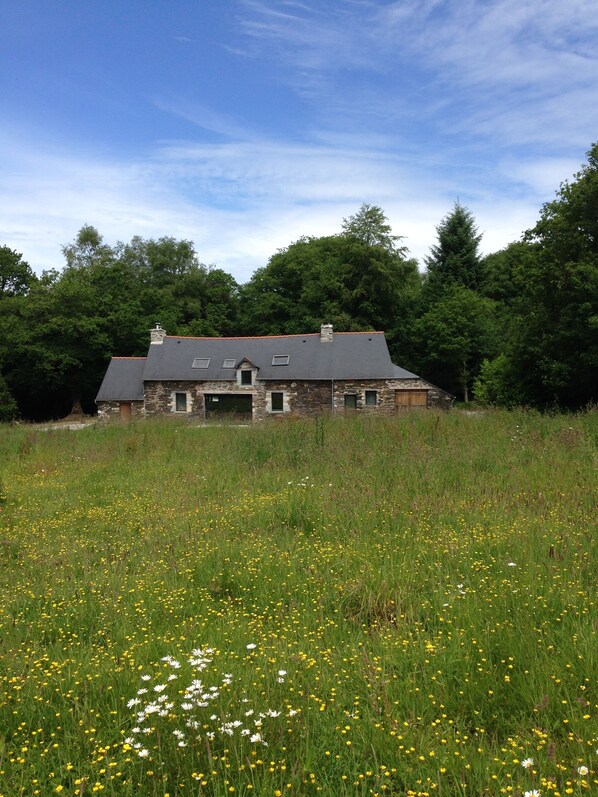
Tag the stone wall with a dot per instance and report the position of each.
(301, 397)
(110, 410)
(386, 390)
(437, 397)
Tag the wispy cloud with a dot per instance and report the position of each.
(240, 201)
(201, 116)
(407, 105)
(477, 63)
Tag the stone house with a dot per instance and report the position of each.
(255, 378)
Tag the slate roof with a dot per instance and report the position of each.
(350, 355)
(123, 380)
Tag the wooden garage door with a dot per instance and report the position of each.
(411, 400)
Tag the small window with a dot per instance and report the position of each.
(229, 363)
(371, 398)
(350, 401)
(277, 402)
(180, 402)
(246, 377)
(201, 362)
(280, 359)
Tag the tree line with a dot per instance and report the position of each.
(517, 327)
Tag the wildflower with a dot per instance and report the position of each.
(532, 793)
(583, 770)
(282, 673)
(527, 763)
(251, 646)
(143, 753)
(133, 702)
(511, 564)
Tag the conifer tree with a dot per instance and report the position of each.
(455, 259)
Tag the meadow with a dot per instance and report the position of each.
(402, 606)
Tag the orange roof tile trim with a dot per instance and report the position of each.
(261, 337)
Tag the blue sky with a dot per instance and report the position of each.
(244, 124)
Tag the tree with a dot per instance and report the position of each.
(56, 341)
(370, 226)
(8, 406)
(503, 271)
(496, 383)
(337, 279)
(87, 248)
(455, 259)
(456, 334)
(554, 350)
(15, 274)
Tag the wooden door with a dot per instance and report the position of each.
(124, 411)
(411, 400)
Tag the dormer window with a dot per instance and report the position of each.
(201, 362)
(280, 359)
(246, 373)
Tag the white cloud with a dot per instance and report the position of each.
(240, 201)
(504, 72)
(411, 105)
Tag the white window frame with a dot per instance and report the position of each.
(285, 403)
(187, 395)
(365, 398)
(252, 371)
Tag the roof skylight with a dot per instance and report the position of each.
(229, 363)
(201, 362)
(280, 359)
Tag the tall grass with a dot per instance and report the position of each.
(426, 586)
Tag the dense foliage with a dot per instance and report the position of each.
(519, 326)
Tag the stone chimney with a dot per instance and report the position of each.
(157, 334)
(326, 333)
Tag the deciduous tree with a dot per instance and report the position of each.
(15, 274)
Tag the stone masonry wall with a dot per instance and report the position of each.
(110, 410)
(301, 397)
(437, 398)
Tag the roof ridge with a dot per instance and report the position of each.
(129, 358)
(266, 337)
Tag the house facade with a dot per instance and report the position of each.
(260, 377)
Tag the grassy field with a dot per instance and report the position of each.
(344, 607)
